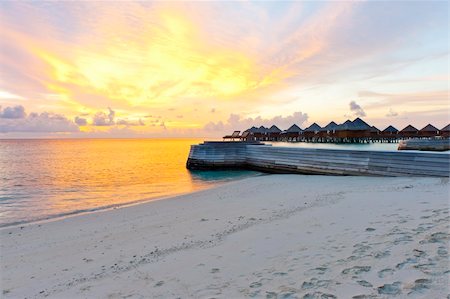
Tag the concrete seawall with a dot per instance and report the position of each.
(442, 144)
(258, 156)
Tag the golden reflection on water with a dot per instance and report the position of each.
(42, 178)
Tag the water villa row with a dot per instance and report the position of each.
(356, 131)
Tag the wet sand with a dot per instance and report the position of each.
(275, 236)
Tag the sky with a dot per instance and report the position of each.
(198, 69)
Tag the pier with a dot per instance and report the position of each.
(273, 159)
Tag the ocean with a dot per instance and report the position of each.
(44, 179)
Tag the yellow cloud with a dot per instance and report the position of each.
(168, 61)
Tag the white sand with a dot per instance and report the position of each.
(277, 236)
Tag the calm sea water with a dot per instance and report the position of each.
(41, 179)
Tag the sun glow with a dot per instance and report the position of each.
(205, 68)
(169, 61)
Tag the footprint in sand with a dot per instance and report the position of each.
(361, 249)
(255, 284)
(420, 286)
(159, 283)
(381, 254)
(365, 283)
(426, 268)
(390, 289)
(270, 295)
(439, 237)
(317, 271)
(385, 272)
(364, 296)
(319, 295)
(442, 251)
(215, 270)
(315, 283)
(356, 270)
(419, 253)
(405, 262)
(406, 238)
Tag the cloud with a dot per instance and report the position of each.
(435, 98)
(214, 127)
(13, 112)
(81, 121)
(111, 115)
(391, 113)
(356, 109)
(35, 122)
(236, 122)
(126, 122)
(368, 93)
(214, 53)
(102, 119)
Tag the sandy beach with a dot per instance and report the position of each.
(272, 236)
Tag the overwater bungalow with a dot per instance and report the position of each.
(292, 134)
(375, 133)
(310, 132)
(249, 134)
(353, 131)
(429, 131)
(390, 131)
(389, 134)
(408, 132)
(260, 133)
(445, 131)
(273, 133)
(329, 130)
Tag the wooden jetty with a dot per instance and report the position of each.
(273, 159)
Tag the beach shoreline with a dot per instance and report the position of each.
(76, 213)
(264, 236)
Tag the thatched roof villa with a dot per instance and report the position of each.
(408, 131)
(429, 131)
(445, 131)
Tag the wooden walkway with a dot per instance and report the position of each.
(223, 155)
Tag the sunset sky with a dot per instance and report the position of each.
(153, 69)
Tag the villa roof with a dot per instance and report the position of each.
(409, 128)
(359, 124)
(331, 126)
(429, 128)
(312, 128)
(294, 129)
(252, 129)
(390, 129)
(261, 129)
(346, 126)
(374, 129)
(274, 129)
(446, 128)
